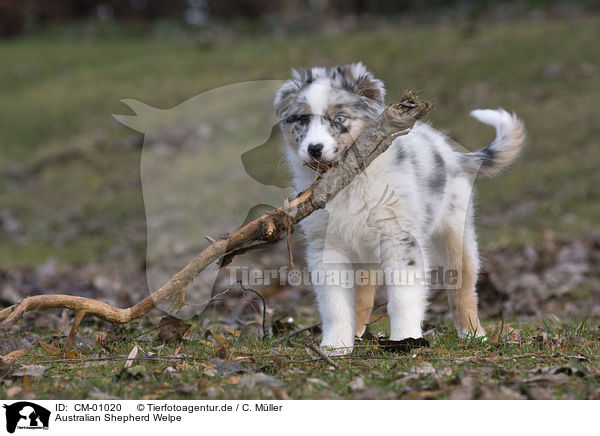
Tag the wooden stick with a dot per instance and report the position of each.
(396, 120)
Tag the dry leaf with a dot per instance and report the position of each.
(172, 329)
(279, 364)
(13, 355)
(222, 351)
(30, 370)
(233, 380)
(210, 344)
(71, 354)
(217, 337)
(132, 355)
(209, 372)
(50, 349)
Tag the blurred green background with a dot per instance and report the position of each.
(70, 180)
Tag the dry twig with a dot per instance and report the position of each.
(323, 355)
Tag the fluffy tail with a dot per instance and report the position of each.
(510, 135)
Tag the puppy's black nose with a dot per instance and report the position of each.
(315, 150)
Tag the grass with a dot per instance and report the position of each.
(542, 360)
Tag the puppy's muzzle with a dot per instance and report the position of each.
(314, 150)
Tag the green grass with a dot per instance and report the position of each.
(58, 94)
(536, 359)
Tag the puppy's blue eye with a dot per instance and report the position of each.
(340, 118)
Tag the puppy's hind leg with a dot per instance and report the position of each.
(458, 249)
(363, 306)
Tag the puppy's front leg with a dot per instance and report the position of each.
(335, 299)
(406, 309)
(404, 269)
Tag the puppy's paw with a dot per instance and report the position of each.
(470, 333)
(338, 342)
(360, 330)
(336, 349)
(336, 352)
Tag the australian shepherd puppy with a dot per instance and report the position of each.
(407, 215)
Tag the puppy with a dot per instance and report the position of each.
(407, 215)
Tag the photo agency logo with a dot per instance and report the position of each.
(208, 165)
(217, 161)
(347, 278)
(25, 415)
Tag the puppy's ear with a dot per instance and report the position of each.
(302, 76)
(289, 90)
(283, 98)
(362, 82)
(371, 88)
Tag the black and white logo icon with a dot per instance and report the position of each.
(26, 415)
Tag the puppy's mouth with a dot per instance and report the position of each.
(319, 164)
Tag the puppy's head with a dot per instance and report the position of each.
(323, 110)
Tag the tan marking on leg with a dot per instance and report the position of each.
(463, 300)
(365, 298)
